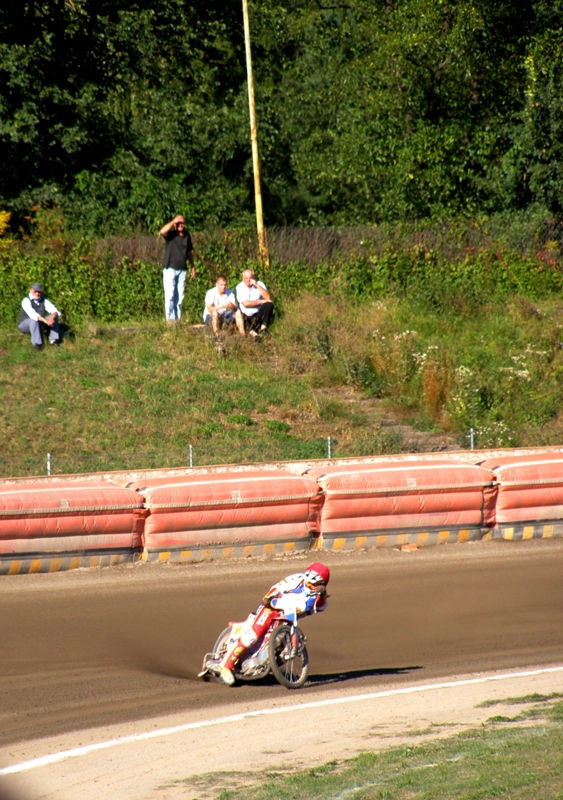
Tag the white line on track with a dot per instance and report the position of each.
(76, 752)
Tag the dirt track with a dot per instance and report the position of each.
(85, 649)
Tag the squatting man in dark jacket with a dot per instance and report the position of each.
(37, 316)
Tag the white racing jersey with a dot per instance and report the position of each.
(294, 598)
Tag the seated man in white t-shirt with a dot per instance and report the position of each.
(255, 304)
(221, 307)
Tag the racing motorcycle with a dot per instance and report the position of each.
(281, 651)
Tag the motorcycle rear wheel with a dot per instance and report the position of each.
(288, 668)
(220, 650)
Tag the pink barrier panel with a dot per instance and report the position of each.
(230, 508)
(414, 495)
(68, 516)
(530, 488)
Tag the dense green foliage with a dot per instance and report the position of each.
(459, 266)
(122, 113)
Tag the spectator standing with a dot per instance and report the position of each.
(179, 250)
(221, 307)
(255, 304)
(38, 316)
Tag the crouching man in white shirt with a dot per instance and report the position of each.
(255, 303)
(221, 308)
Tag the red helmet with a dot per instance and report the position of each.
(317, 574)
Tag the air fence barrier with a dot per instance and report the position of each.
(65, 523)
(529, 502)
(419, 502)
(258, 512)
(186, 515)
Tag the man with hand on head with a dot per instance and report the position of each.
(179, 250)
(37, 316)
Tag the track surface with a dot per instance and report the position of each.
(93, 648)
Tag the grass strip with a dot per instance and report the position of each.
(510, 759)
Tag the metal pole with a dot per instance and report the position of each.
(191, 456)
(329, 446)
(48, 463)
(262, 236)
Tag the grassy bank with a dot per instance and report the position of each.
(140, 397)
(514, 758)
(387, 339)
(376, 377)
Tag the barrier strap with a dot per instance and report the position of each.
(545, 482)
(65, 509)
(236, 499)
(396, 489)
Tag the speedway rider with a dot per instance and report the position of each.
(296, 596)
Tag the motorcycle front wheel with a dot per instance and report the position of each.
(290, 666)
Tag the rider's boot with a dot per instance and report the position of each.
(228, 664)
(226, 675)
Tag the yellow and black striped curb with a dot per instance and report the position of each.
(223, 552)
(373, 539)
(527, 530)
(27, 565)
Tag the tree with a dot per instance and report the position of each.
(121, 113)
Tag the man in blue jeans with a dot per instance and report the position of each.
(179, 250)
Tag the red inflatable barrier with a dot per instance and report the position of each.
(404, 496)
(68, 517)
(226, 508)
(530, 488)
